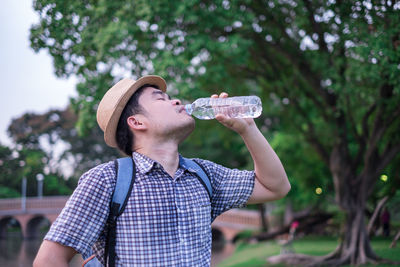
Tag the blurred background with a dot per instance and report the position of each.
(328, 73)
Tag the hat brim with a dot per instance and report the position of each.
(130, 88)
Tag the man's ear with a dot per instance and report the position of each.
(136, 122)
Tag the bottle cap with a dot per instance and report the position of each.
(189, 109)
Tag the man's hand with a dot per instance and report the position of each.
(238, 125)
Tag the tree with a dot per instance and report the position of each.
(54, 133)
(326, 70)
(9, 172)
(49, 143)
(28, 162)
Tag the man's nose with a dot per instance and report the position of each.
(176, 102)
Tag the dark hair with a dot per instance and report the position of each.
(124, 135)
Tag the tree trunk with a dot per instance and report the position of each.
(261, 208)
(351, 195)
(355, 247)
(352, 192)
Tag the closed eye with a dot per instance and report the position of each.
(158, 94)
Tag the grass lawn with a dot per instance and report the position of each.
(256, 254)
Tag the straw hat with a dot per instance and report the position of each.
(113, 103)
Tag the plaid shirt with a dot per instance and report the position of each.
(167, 221)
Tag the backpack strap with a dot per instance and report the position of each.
(126, 173)
(200, 173)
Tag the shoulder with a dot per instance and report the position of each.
(96, 183)
(203, 161)
(206, 165)
(105, 172)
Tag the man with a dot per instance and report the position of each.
(167, 221)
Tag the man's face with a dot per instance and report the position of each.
(165, 116)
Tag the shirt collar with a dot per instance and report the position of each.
(145, 164)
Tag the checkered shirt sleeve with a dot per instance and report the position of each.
(82, 220)
(231, 187)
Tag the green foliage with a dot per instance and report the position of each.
(10, 172)
(18, 163)
(6, 192)
(327, 72)
(53, 185)
(212, 141)
(306, 177)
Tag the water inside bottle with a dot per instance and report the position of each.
(238, 111)
(232, 107)
(249, 111)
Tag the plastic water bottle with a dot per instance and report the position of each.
(232, 107)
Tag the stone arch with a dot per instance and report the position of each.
(239, 235)
(35, 224)
(218, 239)
(5, 223)
(228, 232)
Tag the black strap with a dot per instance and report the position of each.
(111, 235)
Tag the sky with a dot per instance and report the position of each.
(27, 79)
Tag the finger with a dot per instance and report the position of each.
(220, 117)
(224, 120)
(223, 94)
(214, 96)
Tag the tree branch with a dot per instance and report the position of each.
(316, 27)
(394, 115)
(374, 216)
(376, 164)
(365, 128)
(352, 121)
(381, 123)
(296, 58)
(310, 135)
(303, 73)
(388, 155)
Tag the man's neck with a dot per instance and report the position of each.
(166, 154)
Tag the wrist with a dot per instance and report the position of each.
(249, 131)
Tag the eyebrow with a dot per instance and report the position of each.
(159, 92)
